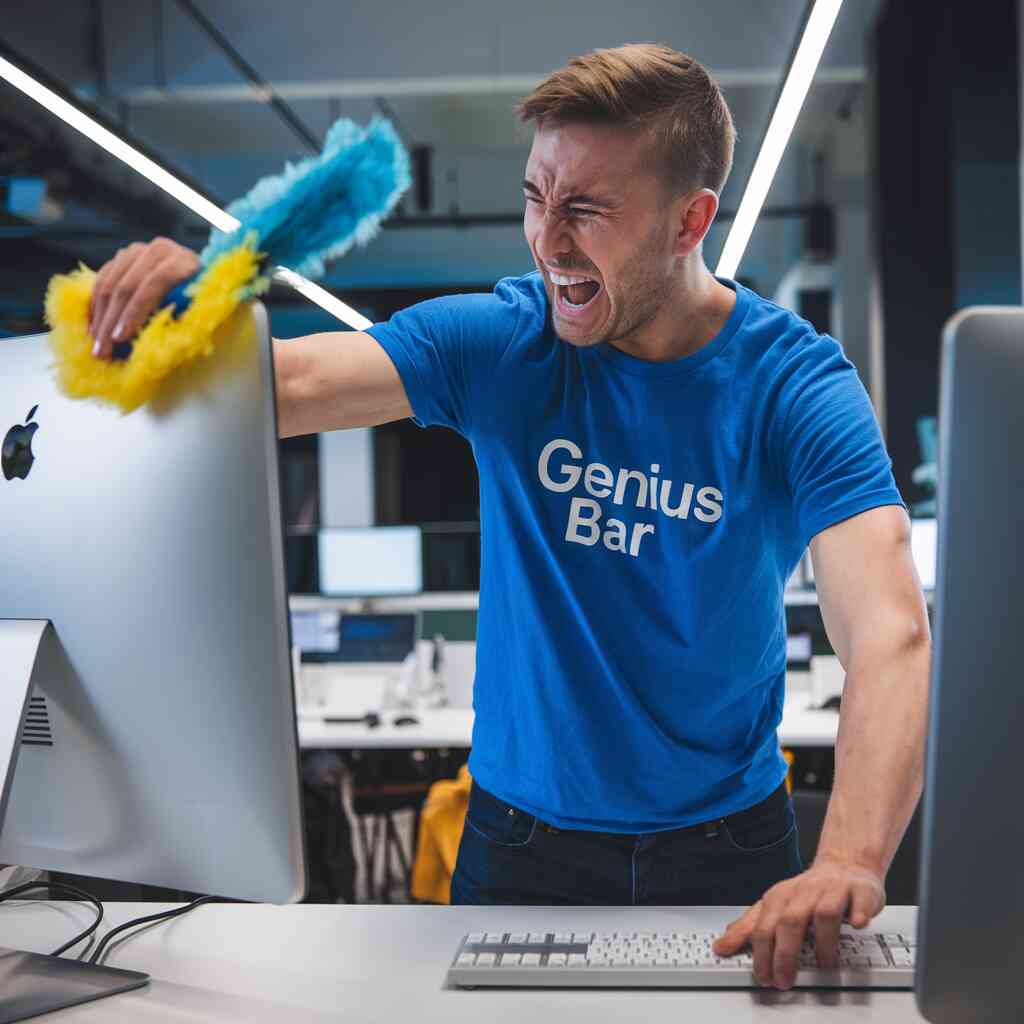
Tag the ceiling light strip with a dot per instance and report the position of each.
(798, 81)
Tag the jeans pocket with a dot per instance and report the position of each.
(757, 834)
(498, 822)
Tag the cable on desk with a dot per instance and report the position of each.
(60, 887)
(149, 919)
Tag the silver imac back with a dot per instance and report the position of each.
(971, 922)
(159, 745)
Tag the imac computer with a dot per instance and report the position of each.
(147, 718)
(372, 561)
(971, 922)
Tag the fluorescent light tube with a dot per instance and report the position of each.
(162, 178)
(780, 128)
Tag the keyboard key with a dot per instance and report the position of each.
(517, 938)
(494, 938)
(466, 959)
(577, 960)
(556, 959)
(538, 938)
(582, 936)
(563, 937)
(510, 959)
(531, 960)
(475, 937)
(486, 959)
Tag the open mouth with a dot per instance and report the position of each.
(574, 294)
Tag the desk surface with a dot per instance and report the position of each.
(307, 963)
(453, 727)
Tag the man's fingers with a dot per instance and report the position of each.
(828, 919)
(147, 297)
(866, 902)
(762, 939)
(121, 292)
(737, 934)
(110, 273)
(789, 937)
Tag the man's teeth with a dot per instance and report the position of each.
(559, 279)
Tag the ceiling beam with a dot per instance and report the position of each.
(434, 85)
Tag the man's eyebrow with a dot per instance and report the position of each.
(578, 198)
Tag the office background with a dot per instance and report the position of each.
(897, 202)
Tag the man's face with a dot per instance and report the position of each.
(595, 209)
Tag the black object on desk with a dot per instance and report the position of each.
(33, 984)
(406, 720)
(371, 720)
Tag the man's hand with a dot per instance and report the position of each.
(827, 894)
(130, 287)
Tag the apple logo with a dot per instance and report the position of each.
(17, 457)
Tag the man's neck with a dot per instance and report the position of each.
(694, 317)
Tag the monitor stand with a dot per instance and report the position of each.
(32, 983)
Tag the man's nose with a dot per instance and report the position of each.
(553, 238)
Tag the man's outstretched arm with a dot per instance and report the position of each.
(876, 619)
(335, 380)
(325, 381)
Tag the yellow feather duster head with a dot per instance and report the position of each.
(163, 345)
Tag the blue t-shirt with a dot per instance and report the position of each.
(639, 522)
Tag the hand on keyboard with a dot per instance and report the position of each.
(666, 959)
(775, 927)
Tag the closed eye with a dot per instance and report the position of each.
(574, 211)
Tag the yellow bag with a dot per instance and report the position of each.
(441, 823)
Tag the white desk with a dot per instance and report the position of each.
(443, 727)
(453, 727)
(386, 964)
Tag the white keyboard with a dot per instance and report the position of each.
(666, 959)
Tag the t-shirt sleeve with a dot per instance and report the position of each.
(831, 449)
(445, 351)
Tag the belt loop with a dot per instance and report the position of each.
(711, 829)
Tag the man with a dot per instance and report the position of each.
(657, 447)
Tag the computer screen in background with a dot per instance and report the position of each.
(374, 561)
(924, 542)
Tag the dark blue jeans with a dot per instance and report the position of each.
(510, 857)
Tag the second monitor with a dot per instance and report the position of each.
(373, 561)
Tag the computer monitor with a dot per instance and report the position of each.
(374, 561)
(971, 922)
(154, 737)
(924, 542)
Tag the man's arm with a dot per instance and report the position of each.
(877, 622)
(325, 381)
(876, 619)
(335, 380)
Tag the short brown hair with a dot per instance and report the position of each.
(646, 85)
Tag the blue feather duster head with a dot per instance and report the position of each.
(317, 209)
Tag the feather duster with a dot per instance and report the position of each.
(314, 211)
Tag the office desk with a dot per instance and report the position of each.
(316, 963)
(453, 727)
(441, 727)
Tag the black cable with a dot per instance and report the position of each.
(164, 916)
(61, 887)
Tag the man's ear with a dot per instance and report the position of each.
(696, 213)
